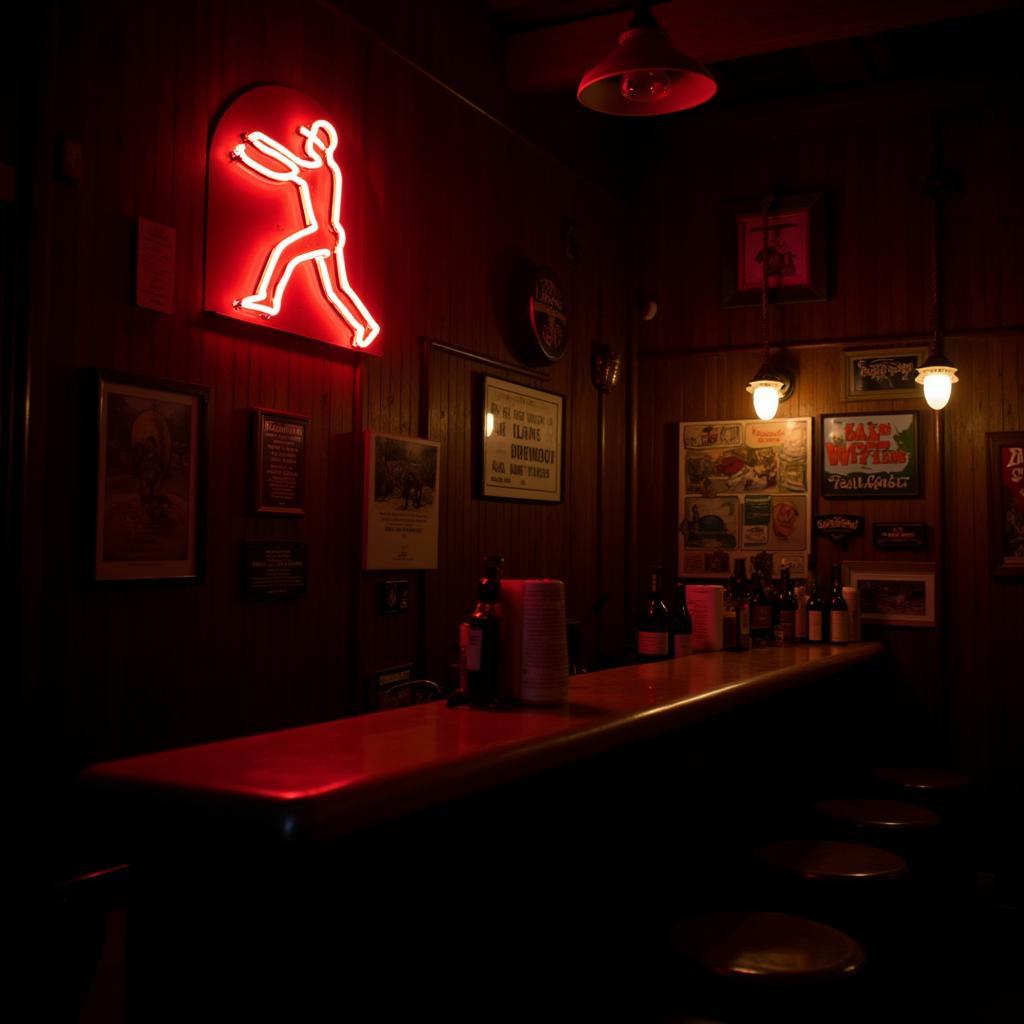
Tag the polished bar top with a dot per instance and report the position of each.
(321, 781)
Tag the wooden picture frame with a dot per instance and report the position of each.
(881, 374)
(1006, 502)
(894, 593)
(279, 462)
(798, 267)
(870, 455)
(522, 433)
(151, 458)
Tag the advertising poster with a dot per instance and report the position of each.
(745, 489)
(870, 456)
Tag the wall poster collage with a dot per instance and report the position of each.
(744, 489)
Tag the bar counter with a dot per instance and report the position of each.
(321, 782)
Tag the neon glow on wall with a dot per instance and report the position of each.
(276, 246)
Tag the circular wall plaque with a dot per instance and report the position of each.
(549, 323)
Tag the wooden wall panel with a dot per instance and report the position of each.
(441, 203)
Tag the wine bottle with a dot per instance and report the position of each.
(817, 628)
(730, 620)
(838, 610)
(787, 609)
(801, 613)
(760, 612)
(652, 630)
(741, 595)
(483, 649)
(682, 624)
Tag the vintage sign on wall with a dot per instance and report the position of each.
(744, 488)
(882, 373)
(548, 337)
(870, 456)
(838, 527)
(276, 221)
(900, 536)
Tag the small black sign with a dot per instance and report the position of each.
(838, 527)
(900, 536)
(272, 570)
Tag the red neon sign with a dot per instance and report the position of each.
(275, 242)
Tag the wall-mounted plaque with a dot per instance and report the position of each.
(549, 322)
(838, 527)
(272, 570)
(900, 536)
(279, 470)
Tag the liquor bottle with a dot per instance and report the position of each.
(787, 609)
(817, 627)
(483, 650)
(682, 624)
(741, 595)
(730, 620)
(760, 612)
(801, 614)
(838, 610)
(652, 629)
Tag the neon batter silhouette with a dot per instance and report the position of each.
(317, 176)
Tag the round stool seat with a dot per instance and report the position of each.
(817, 860)
(767, 949)
(928, 780)
(887, 815)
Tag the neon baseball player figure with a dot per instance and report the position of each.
(322, 240)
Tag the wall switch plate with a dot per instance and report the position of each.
(394, 596)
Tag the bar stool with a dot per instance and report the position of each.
(893, 819)
(737, 960)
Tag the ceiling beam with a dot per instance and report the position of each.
(552, 59)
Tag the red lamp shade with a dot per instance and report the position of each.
(645, 75)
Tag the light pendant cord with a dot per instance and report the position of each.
(765, 206)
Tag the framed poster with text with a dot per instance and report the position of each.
(279, 470)
(522, 442)
(870, 455)
(400, 502)
(1006, 502)
(744, 489)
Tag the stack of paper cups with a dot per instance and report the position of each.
(534, 647)
(851, 595)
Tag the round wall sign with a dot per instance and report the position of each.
(549, 324)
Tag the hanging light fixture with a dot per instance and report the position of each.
(937, 374)
(645, 74)
(769, 385)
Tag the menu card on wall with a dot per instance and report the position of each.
(279, 476)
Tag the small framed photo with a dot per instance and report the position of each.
(1006, 502)
(279, 462)
(894, 593)
(793, 251)
(522, 443)
(870, 455)
(882, 373)
(150, 479)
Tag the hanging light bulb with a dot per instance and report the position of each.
(769, 385)
(937, 376)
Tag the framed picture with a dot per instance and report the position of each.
(400, 503)
(1006, 502)
(522, 442)
(279, 462)
(894, 593)
(744, 492)
(150, 479)
(882, 373)
(794, 251)
(870, 455)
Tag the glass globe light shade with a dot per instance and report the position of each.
(766, 399)
(937, 381)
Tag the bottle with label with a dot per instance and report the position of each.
(653, 625)
(741, 595)
(838, 610)
(760, 612)
(682, 624)
(787, 609)
(483, 647)
(730, 620)
(801, 614)
(817, 627)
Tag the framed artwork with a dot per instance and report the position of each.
(870, 455)
(400, 503)
(882, 373)
(522, 442)
(150, 479)
(1006, 502)
(279, 462)
(744, 492)
(894, 593)
(794, 251)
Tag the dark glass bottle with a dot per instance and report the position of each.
(760, 612)
(483, 650)
(817, 622)
(838, 610)
(682, 624)
(787, 609)
(741, 595)
(653, 626)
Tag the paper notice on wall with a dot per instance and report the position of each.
(154, 266)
